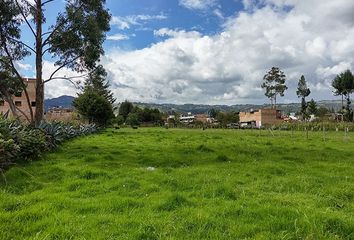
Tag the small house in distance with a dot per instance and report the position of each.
(260, 118)
(60, 114)
(189, 118)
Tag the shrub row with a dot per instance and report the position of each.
(20, 142)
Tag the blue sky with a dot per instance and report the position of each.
(173, 15)
(216, 51)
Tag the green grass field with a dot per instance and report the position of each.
(185, 184)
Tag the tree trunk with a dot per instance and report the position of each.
(275, 101)
(7, 98)
(39, 61)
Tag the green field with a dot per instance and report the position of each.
(154, 183)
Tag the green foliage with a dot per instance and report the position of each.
(225, 118)
(125, 108)
(8, 152)
(274, 84)
(343, 85)
(58, 132)
(97, 82)
(94, 107)
(31, 143)
(312, 107)
(302, 92)
(141, 115)
(213, 113)
(19, 142)
(119, 120)
(133, 119)
(84, 42)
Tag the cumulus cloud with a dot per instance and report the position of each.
(59, 87)
(301, 37)
(197, 4)
(134, 20)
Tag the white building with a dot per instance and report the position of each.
(189, 118)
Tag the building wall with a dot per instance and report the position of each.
(201, 118)
(21, 100)
(261, 117)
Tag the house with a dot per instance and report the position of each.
(60, 114)
(201, 118)
(260, 118)
(188, 118)
(20, 100)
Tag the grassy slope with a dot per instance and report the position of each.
(214, 184)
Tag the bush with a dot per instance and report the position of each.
(31, 143)
(133, 120)
(21, 142)
(8, 152)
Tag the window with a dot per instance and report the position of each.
(18, 94)
(18, 103)
(33, 104)
(2, 103)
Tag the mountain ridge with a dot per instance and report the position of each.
(66, 102)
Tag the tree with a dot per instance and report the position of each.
(94, 107)
(73, 41)
(322, 112)
(125, 108)
(338, 89)
(212, 113)
(133, 119)
(312, 107)
(97, 81)
(225, 118)
(303, 91)
(344, 86)
(274, 84)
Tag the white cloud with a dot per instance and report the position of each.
(59, 87)
(301, 37)
(134, 20)
(23, 66)
(117, 37)
(197, 4)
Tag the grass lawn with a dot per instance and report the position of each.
(154, 183)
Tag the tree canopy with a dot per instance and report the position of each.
(302, 92)
(74, 40)
(274, 84)
(343, 85)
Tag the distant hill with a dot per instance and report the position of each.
(200, 108)
(66, 101)
(62, 101)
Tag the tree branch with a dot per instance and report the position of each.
(24, 44)
(24, 17)
(62, 66)
(47, 2)
(23, 113)
(67, 78)
(60, 25)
